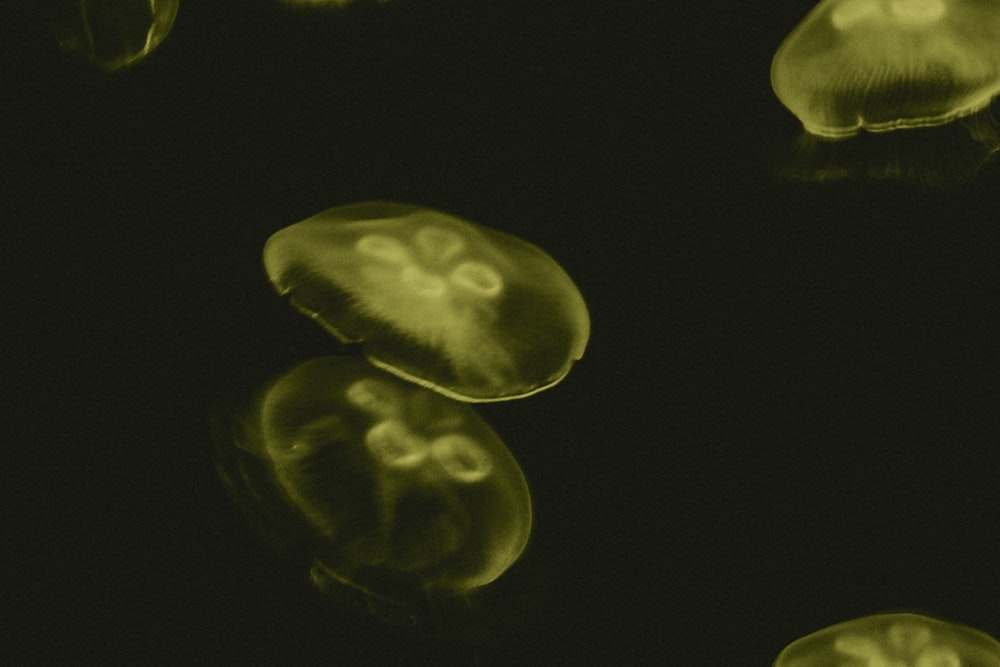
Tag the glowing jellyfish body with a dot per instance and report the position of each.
(470, 312)
(111, 33)
(893, 640)
(400, 491)
(888, 64)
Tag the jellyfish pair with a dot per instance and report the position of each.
(376, 461)
(883, 65)
(112, 34)
(893, 640)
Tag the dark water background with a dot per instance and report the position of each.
(788, 414)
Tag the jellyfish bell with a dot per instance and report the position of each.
(882, 65)
(886, 65)
(470, 312)
(904, 639)
(396, 495)
(112, 34)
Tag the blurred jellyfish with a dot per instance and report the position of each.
(467, 311)
(882, 65)
(393, 490)
(111, 33)
(893, 640)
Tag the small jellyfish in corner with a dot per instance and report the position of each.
(467, 311)
(884, 65)
(893, 640)
(397, 493)
(112, 34)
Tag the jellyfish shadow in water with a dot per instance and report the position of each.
(470, 312)
(396, 498)
(900, 640)
(892, 89)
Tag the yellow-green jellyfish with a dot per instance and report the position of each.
(888, 64)
(893, 640)
(467, 311)
(394, 490)
(111, 33)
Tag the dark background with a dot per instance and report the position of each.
(788, 414)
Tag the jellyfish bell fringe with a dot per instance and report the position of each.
(984, 128)
(248, 481)
(936, 157)
(889, 64)
(892, 89)
(459, 618)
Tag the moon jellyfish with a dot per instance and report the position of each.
(893, 640)
(111, 33)
(883, 65)
(888, 64)
(394, 491)
(467, 311)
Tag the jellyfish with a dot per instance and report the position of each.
(111, 33)
(883, 65)
(889, 64)
(469, 312)
(395, 491)
(893, 640)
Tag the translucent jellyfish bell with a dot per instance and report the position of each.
(888, 64)
(394, 490)
(470, 312)
(893, 640)
(111, 33)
